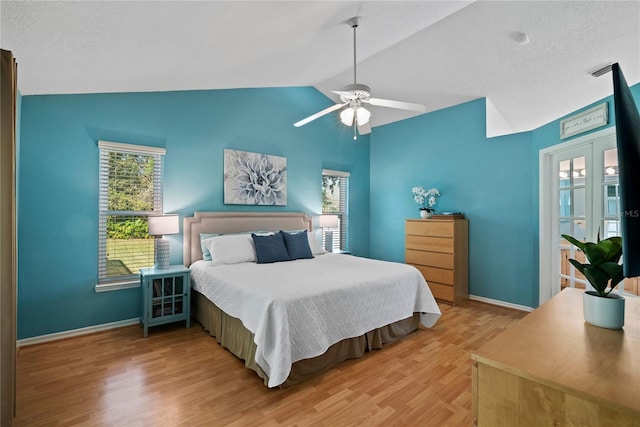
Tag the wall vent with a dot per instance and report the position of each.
(601, 70)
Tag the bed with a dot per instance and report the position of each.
(290, 320)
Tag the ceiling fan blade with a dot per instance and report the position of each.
(364, 129)
(397, 104)
(319, 114)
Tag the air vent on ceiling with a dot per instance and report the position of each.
(601, 70)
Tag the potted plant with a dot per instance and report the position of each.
(601, 307)
(426, 199)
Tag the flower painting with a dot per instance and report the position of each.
(254, 179)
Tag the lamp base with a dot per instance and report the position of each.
(328, 241)
(161, 253)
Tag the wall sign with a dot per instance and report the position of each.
(587, 120)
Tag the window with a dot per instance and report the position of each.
(130, 190)
(335, 200)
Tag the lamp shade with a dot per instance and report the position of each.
(161, 225)
(328, 221)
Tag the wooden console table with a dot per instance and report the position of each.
(552, 368)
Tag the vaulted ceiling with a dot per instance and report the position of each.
(438, 53)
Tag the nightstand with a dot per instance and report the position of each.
(166, 296)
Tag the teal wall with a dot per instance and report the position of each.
(58, 195)
(493, 181)
(487, 179)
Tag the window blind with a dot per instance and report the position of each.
(130, 189)
(336, 201)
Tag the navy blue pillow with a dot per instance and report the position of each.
(270, 248)
(297, 244)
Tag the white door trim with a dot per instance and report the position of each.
(548, 268)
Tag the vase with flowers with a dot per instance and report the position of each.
(427, 199)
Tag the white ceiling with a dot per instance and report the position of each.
(438, 53)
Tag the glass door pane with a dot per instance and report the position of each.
(572, 189)
(579, 196)
(156, 301)
(179, 295)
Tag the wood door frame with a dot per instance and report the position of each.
(8, 239)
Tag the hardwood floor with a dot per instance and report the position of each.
(182, 377)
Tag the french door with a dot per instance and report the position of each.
(579, 196)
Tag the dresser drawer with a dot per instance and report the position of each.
(441, 291)
(433, 244)
(431, 259)
(429, 227)
(439, 275)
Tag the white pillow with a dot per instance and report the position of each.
(206, 255)
(231, 249)
(314, 245)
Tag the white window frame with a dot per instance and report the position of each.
(343, 214)
(107, 147)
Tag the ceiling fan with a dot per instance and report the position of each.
(353, 97)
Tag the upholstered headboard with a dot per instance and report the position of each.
(236, 222)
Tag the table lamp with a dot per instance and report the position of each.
(325, 222)
(159, 226)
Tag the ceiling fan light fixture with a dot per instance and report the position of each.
(347, 115)
(362, 116)
(354, 95)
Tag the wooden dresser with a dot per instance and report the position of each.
(553, 369)
(439, 248)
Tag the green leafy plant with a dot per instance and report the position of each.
(603, 268)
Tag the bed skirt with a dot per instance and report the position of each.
(232, 335)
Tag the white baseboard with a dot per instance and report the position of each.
(500, 303)
(76, 332)
(128, 322)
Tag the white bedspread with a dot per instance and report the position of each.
(297, 309)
